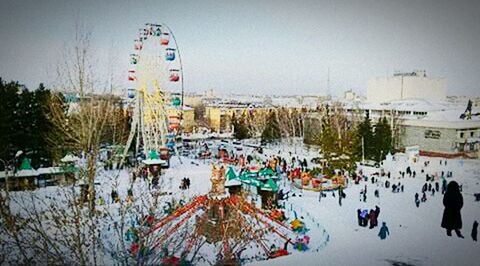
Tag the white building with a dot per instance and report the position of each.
(404, 86)
(436, 127)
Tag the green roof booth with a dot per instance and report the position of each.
(233, 182)
(268, 193)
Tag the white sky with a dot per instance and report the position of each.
(265, 47)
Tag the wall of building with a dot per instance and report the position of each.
(406, 87)
(429, 138)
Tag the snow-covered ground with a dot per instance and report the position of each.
(416, 237)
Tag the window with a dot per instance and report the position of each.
(432, 134)
(462, 134)
(471, 134)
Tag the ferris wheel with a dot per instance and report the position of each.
(156, 75)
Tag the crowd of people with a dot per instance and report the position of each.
(436, 183)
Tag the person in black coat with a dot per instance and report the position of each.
(474, 231)
(453, 202)
(377, 211)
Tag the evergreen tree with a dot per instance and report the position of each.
(328, 145)
(272, 130)
(10, 100)
(336, 141)
(382, 139)
(240, 129)
(24, 123)
(365, 135)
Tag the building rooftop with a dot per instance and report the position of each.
(421, 112)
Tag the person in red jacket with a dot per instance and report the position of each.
(373, 219)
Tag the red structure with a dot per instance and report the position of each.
(227, 224)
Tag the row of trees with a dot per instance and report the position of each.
(344, 140)
(35, 122)
(377, 139)
(271, 125)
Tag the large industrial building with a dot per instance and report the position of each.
(405, 86)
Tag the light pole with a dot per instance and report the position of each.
(363, 152)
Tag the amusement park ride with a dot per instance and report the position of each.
(219, 223)
(156, 67)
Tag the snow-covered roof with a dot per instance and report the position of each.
(21, 173)
(53, 170)
(233, 182)
(154, 161)
(435, 113)
(39, 171)
(419, 105)
(69, 158)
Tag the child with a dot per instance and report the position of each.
(383, 231)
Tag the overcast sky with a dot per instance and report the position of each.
(266, 47)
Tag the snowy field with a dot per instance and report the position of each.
(416, 237)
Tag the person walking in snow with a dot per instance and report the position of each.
(377, 211)
(383, 231)
(373, 219)
(474, 231)
(417, 201)
(114, 195)
(453, 202)
(444, 186)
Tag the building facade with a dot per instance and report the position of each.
(435, 127)
(404, 86)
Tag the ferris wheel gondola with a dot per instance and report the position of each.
(156, 70)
